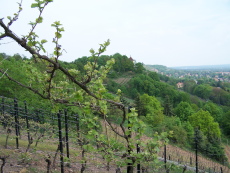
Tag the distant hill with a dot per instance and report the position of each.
(204, 67)
(156, 68)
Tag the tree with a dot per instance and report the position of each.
(154, 76)
(189, 86)
(203, 91)
(50, 80)
(183, 110)
(205, 122)
(215, 111)
(122, 63)
(173, 124)
(139, 68)
(151, 109)
(226, 123)
(219, 96)
(168, 106)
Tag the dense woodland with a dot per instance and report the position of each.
(160, 104)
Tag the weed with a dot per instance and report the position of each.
(25, 158)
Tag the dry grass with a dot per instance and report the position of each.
(227, 152)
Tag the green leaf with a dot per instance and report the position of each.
(39, 20)
(30, 43)
(61, 29)
(32, 23)
(56, 24)
(55, 53)
(43, 41)
(8, 17)
(34, 5)
(92, 51)
(43, 49)
(58, 35)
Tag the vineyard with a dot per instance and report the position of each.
(35, 140)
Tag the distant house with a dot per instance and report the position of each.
(216, 79)
(131, 59)
(180, 85)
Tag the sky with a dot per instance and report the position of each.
(164, 32)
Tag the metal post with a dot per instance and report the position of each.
(36, 116)
(138, 165)
(60, 142)
(52, 123)
(3, 106)
(3, 113)
(221, 170)
(165, 156)
(78, 129)
(16, 122)
(130, 165)
(196, 149)
(27, 121)
(66, 133)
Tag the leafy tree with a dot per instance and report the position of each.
(183, 110)
(189, 86)
(122, 63)
(219, 96)
(203, 91)
(226, 123)
(173, 124)
(215, 111)
(210, 147)
(168, 106)
(205, 122)
(190, 131)
(139, 68)
(154, 76)
(80, 63)
(151, 109)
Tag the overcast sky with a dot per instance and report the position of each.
(164, 32)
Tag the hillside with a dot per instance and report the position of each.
(161, 107)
